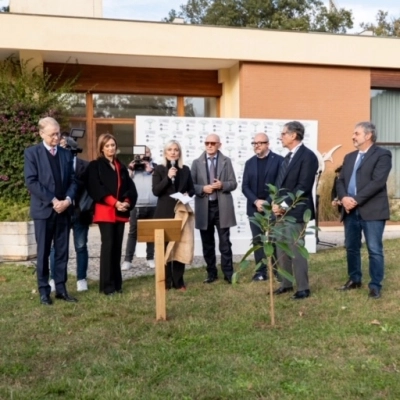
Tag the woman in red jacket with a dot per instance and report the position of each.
(114, 195)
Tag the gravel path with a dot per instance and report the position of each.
(333, 235)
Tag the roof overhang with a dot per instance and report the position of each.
(162, 45)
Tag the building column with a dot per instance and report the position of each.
(230, 99)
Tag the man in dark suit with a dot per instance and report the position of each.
(81, 218)
(49, 177)
(214, 180)
(259, 171)
(297, 172)
(362, 190)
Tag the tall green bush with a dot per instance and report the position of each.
(26, 95)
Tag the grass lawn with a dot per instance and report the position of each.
(217, 343)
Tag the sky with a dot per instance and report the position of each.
(156, 10)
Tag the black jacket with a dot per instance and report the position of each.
(102, 181)
(163, 188)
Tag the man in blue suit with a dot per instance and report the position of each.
(259, 171)
(49, 177)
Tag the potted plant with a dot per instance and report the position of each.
(17, 233)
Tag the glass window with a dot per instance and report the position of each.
(129, 106)
(77, 104)
(385, 114)
(200, 106)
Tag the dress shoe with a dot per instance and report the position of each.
(374, 294)
(282, 290)
(46, 300)
(259, 277)
(210, 279)
(66, 297)
(350, 285)
(228, 279)
(302, 294)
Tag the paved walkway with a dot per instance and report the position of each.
(327, 236)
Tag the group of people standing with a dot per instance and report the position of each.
(144, 190)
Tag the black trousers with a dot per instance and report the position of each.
(174, 271)
(112, 234)
(55, 228)
(208, 242)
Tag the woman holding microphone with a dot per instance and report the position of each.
(169, 177)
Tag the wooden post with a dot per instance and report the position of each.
(271, 290)
(159, 231)
(159, 244)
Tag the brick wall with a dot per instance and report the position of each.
(336, 97)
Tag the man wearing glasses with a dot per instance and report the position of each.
(214, 180)
(259, 171)
(49, 177)
(297, 172)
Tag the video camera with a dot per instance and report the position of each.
(70, 142)
(139, 157)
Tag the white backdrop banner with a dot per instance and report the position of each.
(236, 136)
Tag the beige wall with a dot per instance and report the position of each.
(146, 44)
(230, 100)
(33, 59)
(337, 98)
(73, 8)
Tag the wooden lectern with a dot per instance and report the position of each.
(159, 231)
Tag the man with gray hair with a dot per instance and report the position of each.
(296, 173)
(49, 177)
(362, 191)
(214, 181)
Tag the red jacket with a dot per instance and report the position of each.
(107, 186)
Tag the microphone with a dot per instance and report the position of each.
(173, 166)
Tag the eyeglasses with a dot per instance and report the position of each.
(258, 143)
(53, 135)
(211, 143)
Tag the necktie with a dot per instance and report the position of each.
(282, 170)
(213, 195)
(53, 151)
(352, 188)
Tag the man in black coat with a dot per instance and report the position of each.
(259, 170)
(362, 190)
(297, 172)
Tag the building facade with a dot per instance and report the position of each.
(130, 68)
